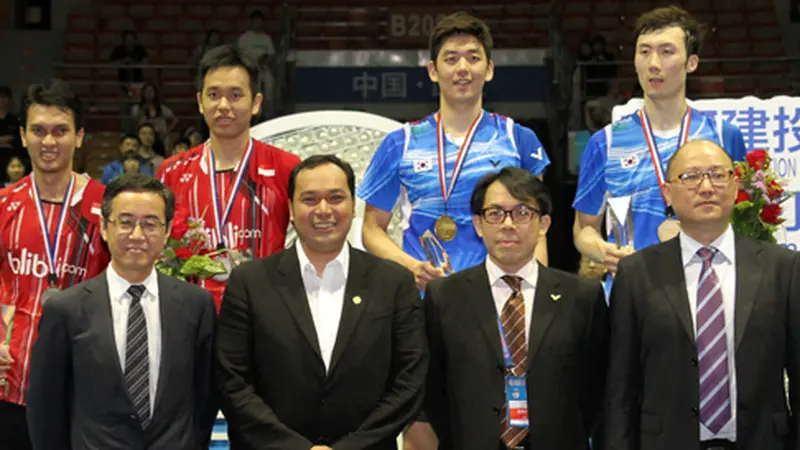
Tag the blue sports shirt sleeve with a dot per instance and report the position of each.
(733, 141)
(533, 157)
(380, 186)
(592, 186)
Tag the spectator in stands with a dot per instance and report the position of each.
(130, 163)
(597, 111)
(195, 136)
(10, 143)
(584, 51)
(151, 110)
(151, 159)
(129, 53)
(181, 146)
(129, 145)
(257, 41)
(213, 39)
(15, 170)
(602, 71)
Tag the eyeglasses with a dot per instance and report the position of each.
(717, 177)
(126, 225)
(521, 214)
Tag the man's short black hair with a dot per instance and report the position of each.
(144, 125)
(315, 161)
(521, 184)
(257, 14)
(127, 136)
(185, 141)
(5, 91)
(57, 94)
(229, 55)
(137, 182)
(130, 156)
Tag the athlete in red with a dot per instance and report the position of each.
(235, 184)
(44, 246)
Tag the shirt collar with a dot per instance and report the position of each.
(529, 272)
(118, 286)
(341, 261)
(724, 245)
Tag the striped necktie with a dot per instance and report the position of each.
(513, 319)
(712, 347)
(137, 363)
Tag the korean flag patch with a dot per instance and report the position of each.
(422, 165)
(629, 162)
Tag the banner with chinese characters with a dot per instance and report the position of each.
(769, 124)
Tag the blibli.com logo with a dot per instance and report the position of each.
(32, 264)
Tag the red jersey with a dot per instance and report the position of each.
(259, 215)
(24, 266)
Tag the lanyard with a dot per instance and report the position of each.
(447, 191)
(655, 155)
(221, 217)
(51, 244)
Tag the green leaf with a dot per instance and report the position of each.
(202, 266)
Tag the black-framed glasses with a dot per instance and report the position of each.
(521, 214)
(717, 177)
(149, 225)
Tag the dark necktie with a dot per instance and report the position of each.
(513, 319)
(137, 363)
(712, 347)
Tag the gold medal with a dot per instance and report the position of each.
(668, 229)
(445, 228)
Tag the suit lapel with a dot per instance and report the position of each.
(673, 282)
(357, 283)
(293, 292)
(98, 308)
(545, 308)
(748, 279)
(169, 307)
(477, 295)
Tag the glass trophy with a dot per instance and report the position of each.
(620, 216)
(435, 252)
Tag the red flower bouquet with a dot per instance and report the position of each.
(757, 211)
(188, 254)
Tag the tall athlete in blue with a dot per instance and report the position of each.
(629, 157)
(407, 166)
(431, 167)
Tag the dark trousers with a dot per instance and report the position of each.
(13, 427)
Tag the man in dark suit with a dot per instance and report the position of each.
(123, 360)
(321, 345)
(518, 350)
(703, 327)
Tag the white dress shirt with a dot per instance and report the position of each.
(724, 264)
(325, 296)
(501, 291)
(120, 304)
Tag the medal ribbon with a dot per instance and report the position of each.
(462, 154)
(221, 217)
(51, 244)
(649, 137)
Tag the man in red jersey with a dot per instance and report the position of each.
(236, 184)
(49, 238)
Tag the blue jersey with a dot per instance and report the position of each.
(405, 170)
(617, 163)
